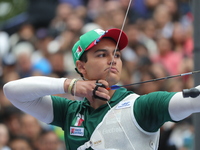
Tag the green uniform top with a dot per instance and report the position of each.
(78, 119)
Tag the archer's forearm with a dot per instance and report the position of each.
(28, 89)
(180, 107)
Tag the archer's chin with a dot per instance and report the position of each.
(112, 79)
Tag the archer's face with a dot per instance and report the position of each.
(100, 58)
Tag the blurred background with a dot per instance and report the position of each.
(36, 38)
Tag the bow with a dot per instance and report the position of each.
(114, 87)
(186, 93)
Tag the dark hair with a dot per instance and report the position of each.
(84, 57)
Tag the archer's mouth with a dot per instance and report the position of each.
(112, 69)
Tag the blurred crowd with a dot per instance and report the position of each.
(160, 34)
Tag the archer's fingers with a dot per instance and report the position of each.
(105, 83)
(103, 90)
(102, 94)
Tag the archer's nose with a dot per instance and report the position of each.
(112, 62)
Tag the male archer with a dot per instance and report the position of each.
(110, 119)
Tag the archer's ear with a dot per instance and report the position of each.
(80, 66)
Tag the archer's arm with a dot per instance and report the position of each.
(180, 107)
(32, 95)
(154, 109)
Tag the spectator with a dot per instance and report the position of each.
(171, 60)
(30, 128)
(163, 21)
(11, 118)
(48, 140)
(20, 143)
(4, 137)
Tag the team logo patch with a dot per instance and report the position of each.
(78, 120)
(76, 131)
(125, 104)
(79, 50)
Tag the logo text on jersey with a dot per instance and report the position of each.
(76, 131)
(125, 104)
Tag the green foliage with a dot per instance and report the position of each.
(11, 8)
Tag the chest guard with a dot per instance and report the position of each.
(119, 130)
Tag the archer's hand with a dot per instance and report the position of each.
(85, 88)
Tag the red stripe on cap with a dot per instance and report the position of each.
(114, 34)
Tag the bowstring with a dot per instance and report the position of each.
(123, 24)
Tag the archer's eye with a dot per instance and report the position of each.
(117, 55)
(101, 55)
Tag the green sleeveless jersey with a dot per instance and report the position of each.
(78, 119)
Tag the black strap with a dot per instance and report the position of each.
(79, 73)
(95, 89)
